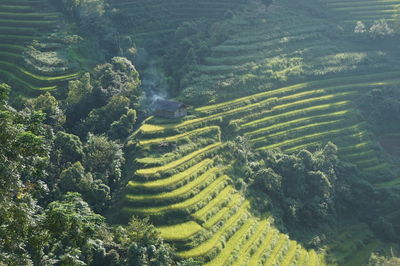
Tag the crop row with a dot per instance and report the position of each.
(196, 202)
(153, 172)
(326, 83)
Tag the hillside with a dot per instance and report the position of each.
(288, 154)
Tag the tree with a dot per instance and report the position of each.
(23, 159)
(380, 29)
(359, 28)
(73, 229)
(48, 104)
(68, 148)
(123, 127)
(78, 90)
(143, 244)
(99, 120)
(79, 102)
(103, 158)
(75, 179)
(118, 78)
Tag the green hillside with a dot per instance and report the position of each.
(21, 22)
(287, 152)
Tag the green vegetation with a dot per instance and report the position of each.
(288, 154)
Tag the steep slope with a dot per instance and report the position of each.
(155, 18)
(21, 22)
(182, 185)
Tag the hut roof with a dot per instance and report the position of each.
(169, 106)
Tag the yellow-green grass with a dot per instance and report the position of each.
(29, 16)
(359, 155)
(243, 253)
(174, 179)
(275, 125)
(297, 129)
(355, 137)
(234, 244)
(177, 137)
(388, 184)
(179, 231)
(187, 189)
(360, 3)
(211, 189)
(313, 259)
(149, 129)
(311, 137)
(39, 77)
(18, 30)
(20, 22)
(289, 255)
(248, 99)
(217, 201)
(267, 243)
(358, 146)
(235, 201)
(12, 48)
(351, 80)
(160, 169)
(311, 101)
(213, 242)
(303, 257)
(367, 162)
(275, 252)
(376, 168)
(303, 146)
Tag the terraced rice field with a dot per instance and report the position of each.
(21, 22)
(289, 86)
(266, 50)
(305, 115)
(366, 11)
(195, 206)
(158, 18)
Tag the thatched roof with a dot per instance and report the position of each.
(170, 106)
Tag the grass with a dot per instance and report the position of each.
(256, 256)
(287, 259)
(283, 239)
(211, 243)
(308, 101)
(388, 184)
(302, 257)
(156, 170)
(190, 187)
(330, 133)
(220, 199)
(294, 114)
(179, 231)
(243, 253)
(313, 258)
(235, 201)
(174, 179)
(179, 136)
(376, 168)
(234, 244)
(210, 190)
(321, 83)
(297, 129)
(20, 23)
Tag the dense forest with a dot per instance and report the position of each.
(183, 132)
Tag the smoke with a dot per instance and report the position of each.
(154, 85)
